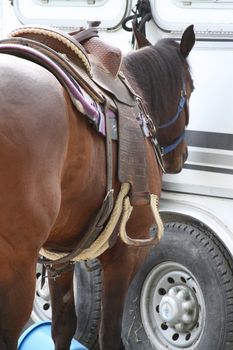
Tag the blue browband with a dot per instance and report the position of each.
(179, 139)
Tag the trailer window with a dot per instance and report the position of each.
(209, 4)
(72, 13)
(69, 2)
(175, 15)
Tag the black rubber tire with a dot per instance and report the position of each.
(209, 262)
(88, 289)
(88, 303)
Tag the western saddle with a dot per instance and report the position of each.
(82, 59)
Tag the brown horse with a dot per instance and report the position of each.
(53, 180)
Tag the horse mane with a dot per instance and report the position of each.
(155, 72)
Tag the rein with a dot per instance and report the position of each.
(181, 105)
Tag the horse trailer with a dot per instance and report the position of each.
(182, 296)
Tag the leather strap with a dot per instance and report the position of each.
(82, 35)
(90, 235)
(108, 141)
(102, 215)
(132, 159)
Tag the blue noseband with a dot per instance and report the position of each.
(171, 147)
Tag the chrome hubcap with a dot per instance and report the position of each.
(179, 308)
(172, 307)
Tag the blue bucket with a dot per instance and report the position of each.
(38, 337)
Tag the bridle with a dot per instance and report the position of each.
(160, 151)
(182, 105)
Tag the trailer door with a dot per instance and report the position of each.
(209, 168)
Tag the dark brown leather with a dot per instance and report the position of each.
(113, 86)
(110, 56)
(132, 161)
(81, 35)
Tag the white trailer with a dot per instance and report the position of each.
(182, 297)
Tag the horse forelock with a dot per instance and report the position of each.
(157, 73)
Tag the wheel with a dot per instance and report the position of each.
(87, 291)
(88, 303)
(182, 297)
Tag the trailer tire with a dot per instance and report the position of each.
(88, 304)
(87, 289)
(189, 265)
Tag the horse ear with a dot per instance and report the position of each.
(140, 38)
(187, 41)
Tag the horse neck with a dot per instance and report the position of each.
(135, 81)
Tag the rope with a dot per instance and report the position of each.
(127, 210)
(123, 210)
(101, 243)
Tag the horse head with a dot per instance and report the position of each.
(163, 76)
